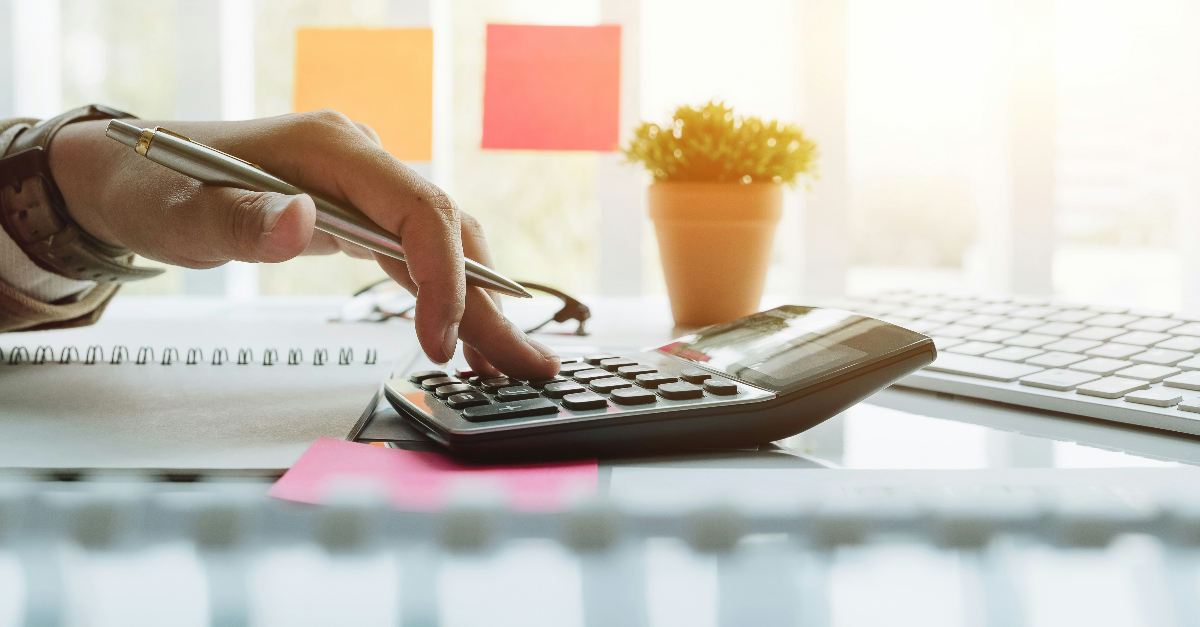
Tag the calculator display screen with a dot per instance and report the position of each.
(789, 347)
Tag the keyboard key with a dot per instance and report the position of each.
(611, 365)
(961, 305)
(1158, 397)
(1186, 381)
(1148, 372)
(559, 390)
(452, 389)
(495, 384)
(1114, 351)
(1191, 404)
(1111, 387)
(569, 369)
(586, 376)
(1101, 334)
(1034, 313)
(516, 393)
(418, 377)
(1189, 364)
(992, 335)
(720, 387)
(982, 320)
(912, 313)
(1181, 343)
(1059, 329)
(569, 360)
(680, 391)
(1071, 316)
(584, 400)
(974, 348)
(607, 385)
(696, 375)
(1014, 353)
(1071, 345)
(997, 309)
(434, 383)
(1149, 313)
(945, 317)
(1017, 324)
(597, 358)
(1058, 380)
(1155, 325)
(654, 380)
(942, 343)
(1108, 309)
(1141, 338)
(957, 330)
(1112, 320)
(537, 385)
(633, 396)
(1160, 357)
(1055, 360)
(514, 409)
(981, 367)
(1101, 366)
(1030, 340)
(1191, 328)
(1029, 300)
(467, 399)
(629, 372)
(1066, 305)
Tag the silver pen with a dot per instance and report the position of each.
(213, 167)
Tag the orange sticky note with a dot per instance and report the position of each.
(552, 87)
(380, 77)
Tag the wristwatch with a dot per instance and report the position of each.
(34, 215)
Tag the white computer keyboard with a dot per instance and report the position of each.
(1132, 366)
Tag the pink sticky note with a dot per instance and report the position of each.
(552, 87)
(423, 481)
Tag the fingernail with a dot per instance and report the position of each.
(450, 340)
(274, 210)
(543, 349)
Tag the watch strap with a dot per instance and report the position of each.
(34, 215)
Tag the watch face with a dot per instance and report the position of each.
(790, 347)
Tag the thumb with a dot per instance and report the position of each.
(257, 226)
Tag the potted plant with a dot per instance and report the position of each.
(716, 198)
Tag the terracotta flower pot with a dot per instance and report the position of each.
(715, 243)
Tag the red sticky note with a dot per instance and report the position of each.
(423, 481)
(552, 87)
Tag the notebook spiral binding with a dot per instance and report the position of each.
(119, 354)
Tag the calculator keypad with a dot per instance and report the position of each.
(597, 385)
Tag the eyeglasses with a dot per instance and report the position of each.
(377, 303)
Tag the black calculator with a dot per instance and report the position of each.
(758, 379)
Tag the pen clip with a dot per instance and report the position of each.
(159, 129)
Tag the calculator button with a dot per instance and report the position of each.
(464, 373)
(567, 370)
(604, 386)
(418, 377)
(559, 390)
(596, 359)
(516, 393)
(633, 396)
(437, 382)
(514, 409)
(720, 387)
(584, 400)
(495, 384)
(452, 389)
(694, 375)
(654, 380)
(611, 365)
(591, 375)
(679, 391)
(541, 383)
(568, 360)
(629, 372)
(467, 399)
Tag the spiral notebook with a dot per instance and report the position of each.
(202, 396)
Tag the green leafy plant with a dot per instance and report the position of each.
(711, 143)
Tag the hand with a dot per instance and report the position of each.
(130, 201)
